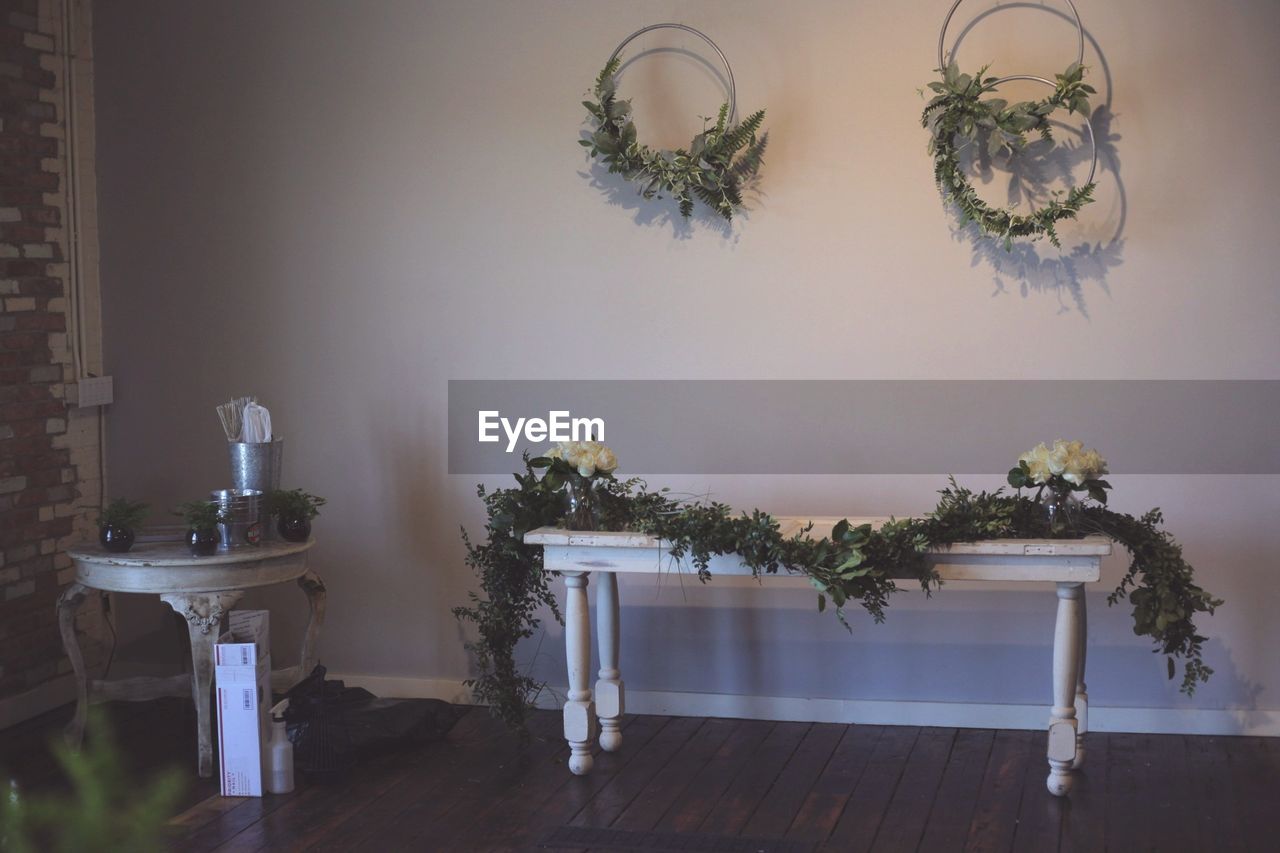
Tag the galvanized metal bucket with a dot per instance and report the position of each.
(243, 509)
(255, 466)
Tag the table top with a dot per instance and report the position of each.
(170, 554)
(166, 567)
(1089, 546)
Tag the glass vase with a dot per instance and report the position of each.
(1060, 506)
(581, 505)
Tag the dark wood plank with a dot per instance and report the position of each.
(1167, 791)
(425, 784)
(514, 807)
(748, 788)
(948, 825)
(1040, 813)
(996, 815)
(845, 787)
(861, 818)
(230, 822)
(525, 821)
(1127, 827)
(1084, 820)
(1254, 780)
(283, 820)
(710, 783)
(316, 802)
(825, 801)
(611, 800)
(1209, 779)
(667, 786)
(225, 824)
(908, 812)
(154, 736)
(773, 817)
(446, 812)
(353, 822)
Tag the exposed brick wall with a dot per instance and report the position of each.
(44, 505)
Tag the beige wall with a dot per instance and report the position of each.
(340, 206)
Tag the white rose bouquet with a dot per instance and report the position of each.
(579, 466)
(1066, 467)
(586, 458)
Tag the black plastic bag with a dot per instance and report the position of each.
(333, 726)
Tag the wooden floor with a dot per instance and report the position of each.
(723, 785)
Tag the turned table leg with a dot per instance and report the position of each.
(1066, 674)
(579, 710)
(1082, 695)
(313, 586)
(68, 603)
(610, 701)
(203, 612)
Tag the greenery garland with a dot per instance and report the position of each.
(959, 112)
(854, 564)
(712, 169)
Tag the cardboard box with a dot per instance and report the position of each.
(242, 673)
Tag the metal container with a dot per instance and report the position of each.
(256, 466)
(243, 508)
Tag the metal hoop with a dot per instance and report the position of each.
(733, 92)
(946, 22)
(1093, 143)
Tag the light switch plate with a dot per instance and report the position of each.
(94, 391)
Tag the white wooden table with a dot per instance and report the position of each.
(200, 590)
(1067, 563)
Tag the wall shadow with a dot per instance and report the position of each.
(964, 646)
(1039, 267)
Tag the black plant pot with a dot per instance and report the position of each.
(203, 542)
(294, 529)
(115, 539)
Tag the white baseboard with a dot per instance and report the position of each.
(1192, 721)
(1195, 721)
(53, 693)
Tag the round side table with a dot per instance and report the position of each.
(199, 589)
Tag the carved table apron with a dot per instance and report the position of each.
(1068, 563)
(200, 590)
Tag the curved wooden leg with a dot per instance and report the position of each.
(609, 688)
(1082, 695)
(68, 603)
(1066, 671)
(203, 612)
(579, 710)
(313, 586)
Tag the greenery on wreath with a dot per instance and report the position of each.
(855, 564)
(959, 116)
(712, 169)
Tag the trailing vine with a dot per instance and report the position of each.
(712, 169)
(959, 116)
(855, 564)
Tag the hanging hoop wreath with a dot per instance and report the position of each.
(959, 116)
(712, 169)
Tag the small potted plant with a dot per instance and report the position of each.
(118, 522)
(294, 510)
(202, 518)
